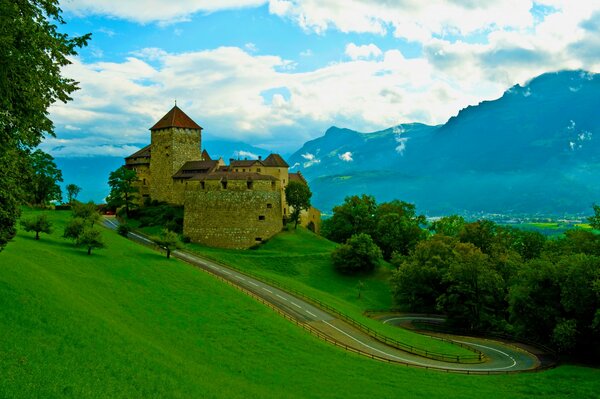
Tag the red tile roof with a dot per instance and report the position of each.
(205, 156)
(176, 118)
(143, 153)
(275, 160)
(297, 177)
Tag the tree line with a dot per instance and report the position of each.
(486, 278)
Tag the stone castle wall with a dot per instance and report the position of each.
(171, 148)
(144, 181)
(235, 217)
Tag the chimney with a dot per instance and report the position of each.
(260, 157)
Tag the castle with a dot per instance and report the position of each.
(230, 206)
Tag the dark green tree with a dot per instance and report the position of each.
(88, 212)
(358, 255)
(481, 233)
(397, 233)
(73, 191)
(168, 240)
(122, 188)
(475, 290)
(418, 280)
(297, 196)
(595, 220)
(45, 175)
(74, 228)
(90, 239)
(32, 55)
(356, 215)
(39, 224)
(448, 225)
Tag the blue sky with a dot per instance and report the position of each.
(277, 73)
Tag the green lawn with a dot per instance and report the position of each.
(128, 323)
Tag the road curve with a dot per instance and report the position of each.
(499, 357)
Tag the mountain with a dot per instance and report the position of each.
(534, 150)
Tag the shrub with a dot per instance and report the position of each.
(123, 230)
(358, 255)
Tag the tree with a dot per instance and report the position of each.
(297, 196)
(32, 53)
(595, 220)
(87, 212)
(168, 240)
(418, 281)
(475, 290)
(397, 233)
(74, 229)
(448, 225)
(358, 255)
(39, 224)
(90, 239)
(43, 183)
(480, 233)
(122, 188)
(356, 215)
(73, 191)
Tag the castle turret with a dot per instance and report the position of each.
(176, 139)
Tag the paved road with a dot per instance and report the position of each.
(499, 357)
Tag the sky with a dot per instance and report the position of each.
(277, 73)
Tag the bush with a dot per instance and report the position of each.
(186, 239)
(123, 230)
(358, 255)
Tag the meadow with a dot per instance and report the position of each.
(126, 322)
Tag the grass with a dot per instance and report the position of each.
(128, 323)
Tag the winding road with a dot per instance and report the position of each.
(498, 357)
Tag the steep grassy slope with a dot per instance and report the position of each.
(126, 322)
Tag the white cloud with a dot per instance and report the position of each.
(251, 47)
(362, 52)
(162, 11)
(311, 160)
(306, 53)
(374, 89)
(346, 157)
(245, 154)
(409, 19)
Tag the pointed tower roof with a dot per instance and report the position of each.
(176, 118)
(205, 156)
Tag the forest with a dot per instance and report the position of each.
(486, 278)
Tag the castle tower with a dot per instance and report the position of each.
(175, 139)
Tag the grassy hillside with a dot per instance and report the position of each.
(301, 260)
(126, 322)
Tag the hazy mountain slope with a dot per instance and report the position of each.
(535, 149)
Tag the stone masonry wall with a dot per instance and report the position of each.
(236, 217)
(171, 148)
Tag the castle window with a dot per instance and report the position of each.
(202, 185)
(269, 206)
(224, 184)
(257, 170)
(261, 217)
(284, 211)
(250, 184)
(243, 170)
(272, 185)
(259, 239)
(144, 182)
